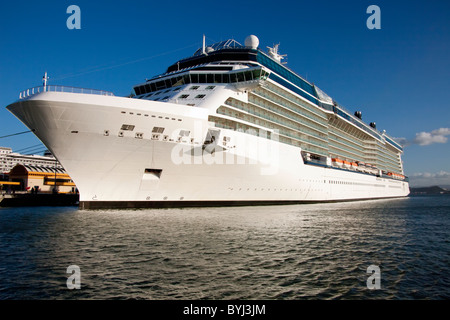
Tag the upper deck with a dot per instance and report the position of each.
(229, 61)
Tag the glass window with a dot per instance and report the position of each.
(194, 87)
(160, 85)
(184, 133)
(210, 87)
(200, 96)
(184, 96)
(194, 78)
(178, 81)
(137, 90)
(158, 130)
(128, 127)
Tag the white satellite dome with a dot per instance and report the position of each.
(252, 42)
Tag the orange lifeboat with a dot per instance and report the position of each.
(337, 162)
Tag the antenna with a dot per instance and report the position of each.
(204, 45)
(273, 52)
(44, 80)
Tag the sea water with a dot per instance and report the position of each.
(292, 252)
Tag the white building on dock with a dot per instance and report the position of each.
(8, 159)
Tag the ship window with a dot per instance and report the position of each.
(210, 87)
(137, 90)
(186, 79)
(256, 74)
(160, 85)
(184, 96)
(128, 127)
(200, 96)
(158, 130)
(184, 133)
(218, 78)
(194, 87)
(178, 81)
(194, 79)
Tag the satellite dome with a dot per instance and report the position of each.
(252, 42)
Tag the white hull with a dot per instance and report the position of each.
(114, 167)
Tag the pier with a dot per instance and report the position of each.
(40, 199)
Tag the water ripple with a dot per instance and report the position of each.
(318, 251)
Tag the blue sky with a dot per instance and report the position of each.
(398, 76)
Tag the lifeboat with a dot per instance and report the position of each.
(337, 162)
(360, 166)
(396, 176)
(354, 166)
(347, 164)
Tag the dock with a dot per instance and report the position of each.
(40, 199)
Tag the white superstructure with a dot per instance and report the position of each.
(230, 125)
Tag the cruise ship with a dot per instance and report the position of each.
(230, 125)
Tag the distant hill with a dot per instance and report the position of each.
(429, 190)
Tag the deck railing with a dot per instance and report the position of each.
(32, 91)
